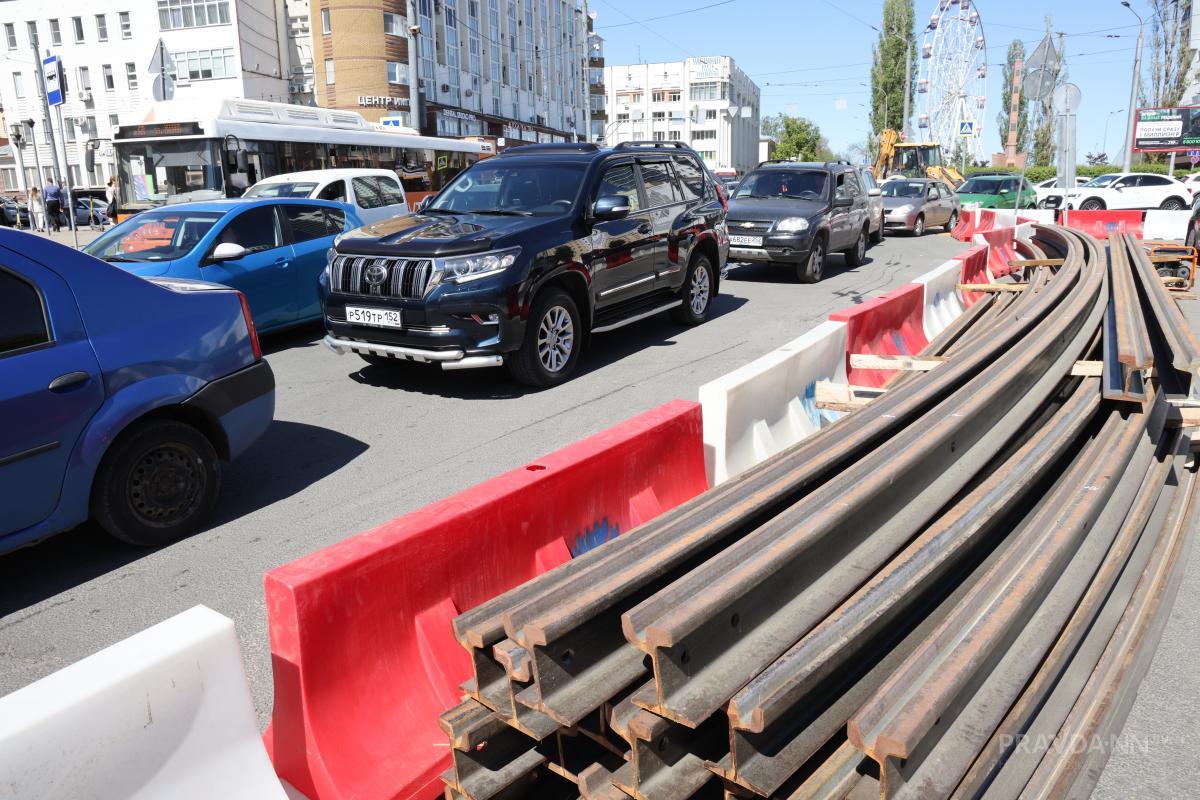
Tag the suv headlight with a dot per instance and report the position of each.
(463, 269)
(792, 225)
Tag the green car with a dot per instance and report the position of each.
(997, 191)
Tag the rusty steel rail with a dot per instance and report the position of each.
(1182, 346)
(886, 607)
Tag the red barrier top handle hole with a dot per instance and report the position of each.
(535, 467)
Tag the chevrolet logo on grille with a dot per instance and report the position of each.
(747, 224)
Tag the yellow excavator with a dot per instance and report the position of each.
(912, 160)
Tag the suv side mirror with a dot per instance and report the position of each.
(841, 202)
(611, 206)
(227, 251)
(874, 193)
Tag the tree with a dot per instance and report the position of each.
(1170, 53)
(896, 43)
(1095, 159)
(1016, 52)
(798, 138)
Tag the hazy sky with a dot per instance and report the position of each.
(812, 57)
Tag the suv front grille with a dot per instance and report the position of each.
(745, 226)
(400, 277)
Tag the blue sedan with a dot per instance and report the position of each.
(273, 251)
(119, 397)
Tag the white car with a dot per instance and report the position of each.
(1047, 188)
(376, 193)
(1126, 190)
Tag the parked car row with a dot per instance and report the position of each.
(1126, 190)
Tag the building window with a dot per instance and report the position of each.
(69, 129)
(18, 85)
(709, 91)
(329, 72)
(55, 33)
(126, 30)
(76, 175)
(325, 24)
(85, 79)
(397, 72)
(10, 33)
(707, 155)
(131, 77)
(31, 28)
(201, 65)
(101, 28)
(622, 118)
(699, 136)
(660, 136)
(710, 113)
(109, 83)
(191, 13)
(113, 121)
(77, 24)
(392, 24)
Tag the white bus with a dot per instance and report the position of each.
(183, 153)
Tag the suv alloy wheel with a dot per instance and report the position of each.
(919, 226)
(697, 293)
(952, 222)
(810, 270)
(550, 349)
(856, 255)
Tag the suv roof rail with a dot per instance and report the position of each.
(651, 143)
(552, 147)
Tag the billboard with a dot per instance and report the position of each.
(1166, 129)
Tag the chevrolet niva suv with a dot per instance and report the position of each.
(522, 256)
(795, 213)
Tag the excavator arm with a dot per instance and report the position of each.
(887, 151)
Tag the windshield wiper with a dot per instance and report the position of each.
(122, 258)
(508, 212)
(442, 211)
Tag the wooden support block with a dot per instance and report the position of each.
(1036, 262)
(843, 397)
(1183, 417)
(1169, 259)
(1088, 369)
(903, 363)
(993, 287)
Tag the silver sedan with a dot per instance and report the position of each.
(917, 204)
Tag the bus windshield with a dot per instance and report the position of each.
(181, 169)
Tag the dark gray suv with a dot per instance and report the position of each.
(796, 213)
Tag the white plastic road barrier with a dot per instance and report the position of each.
(1045, 216)
(164, 714)
(942, 303)
(1005, 219)
(1170, 225)
(769, 404)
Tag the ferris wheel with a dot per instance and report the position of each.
(952, 83)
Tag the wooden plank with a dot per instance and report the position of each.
(992, 287)
(1183, 417)
(1169, 259)
(843, 397)
(1088, 369)
(903, 363)
(1036, 262)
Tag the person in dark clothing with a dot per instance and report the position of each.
(54, 197)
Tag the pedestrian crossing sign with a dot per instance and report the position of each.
(966, 127)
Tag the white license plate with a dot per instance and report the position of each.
(746, 241)
(378, 317)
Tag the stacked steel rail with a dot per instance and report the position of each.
(936, 597)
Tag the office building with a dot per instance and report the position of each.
(114, 70)
(707, 102)
(511, 69)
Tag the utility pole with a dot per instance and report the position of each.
(1127, 161)
(907, 86)
(41, 79)
(38, 177)
(416, 102)
(69, 199)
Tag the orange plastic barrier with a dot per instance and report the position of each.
(974, 270)
(1101, 223)
(891, 324)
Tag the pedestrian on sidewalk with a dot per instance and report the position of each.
(37, 211)
(110, 195)
(54, 201)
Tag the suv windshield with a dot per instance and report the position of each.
(987, 185)
(280, 189)
(806, 185)
(154, 236)
(902, 189)
(509, 187)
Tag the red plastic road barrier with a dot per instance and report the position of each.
(891, 324)
(974, 270)
(1001, 250)
(1102, 223)
(363, 655)
(965, 229)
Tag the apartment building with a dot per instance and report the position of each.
(114, 70)
(707, 102)
(301, 76)
(512, 69)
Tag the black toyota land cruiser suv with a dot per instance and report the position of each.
(522, 256)
(796, 213)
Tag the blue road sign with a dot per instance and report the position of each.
(966, 127)
(54, 95)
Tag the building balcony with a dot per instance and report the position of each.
(596, 63)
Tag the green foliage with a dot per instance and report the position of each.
(896, 42)
(799, 138)
(1016, 51)
(1037, 174)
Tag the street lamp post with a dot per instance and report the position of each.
(418, 106)
(1127, 162)
(1106, 121)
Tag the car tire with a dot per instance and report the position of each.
(552, 318)
(383, 362)
(1173, 204)
(1190, 239)
(952, 222)
(877, 236)
(157, 484)
(919, 225)
(698, 293)
(1092, 204)
(813, 267)
(856, 256)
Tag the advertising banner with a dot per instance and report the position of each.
(1166, 129)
